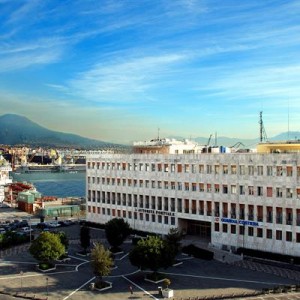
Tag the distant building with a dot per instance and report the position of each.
(232, 200)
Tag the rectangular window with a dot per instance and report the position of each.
(269, 191)
(250, 231)
(289, 236)
(242, 190)
(217, 169)
(186, 168)
(279, 192)
(208, 169)
(289, 193)
(217, 188)
(278, 235)
(233, 229)
(279, 170)
(259, 232)
(186, 186)
(217, 227)
(225, 169)
(260, 170)
(172, 221)
(259, 191)
(242, 170)
(251, 170)
(225, 228)
(289, 171)
(208, 188)
(201, 187)
(250, 190)
(233, 189)
(201, 169)
(233, 169)
(269, 171)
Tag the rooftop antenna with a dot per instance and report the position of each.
(158, 133)
(262, 132)
(216, 139)
(288, 119)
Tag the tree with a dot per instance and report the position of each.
(47, 247)
(151, 253)
(173, 239)
(63, 239)
(116, 231)
(85, 237)
(101, 261)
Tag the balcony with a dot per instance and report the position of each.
(279, 220)
(201, 212)
(186, 210)
(250, 217)
(289, 222)
(194, 211)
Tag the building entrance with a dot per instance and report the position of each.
(199, 228)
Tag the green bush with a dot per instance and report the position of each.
(45, 266)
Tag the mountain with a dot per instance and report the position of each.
(18, 130)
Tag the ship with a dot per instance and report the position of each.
(68, 168)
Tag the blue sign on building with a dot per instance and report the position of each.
(240, 222)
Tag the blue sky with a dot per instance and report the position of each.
(118, 70)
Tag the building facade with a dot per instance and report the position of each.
(5, 179)
(233, 200)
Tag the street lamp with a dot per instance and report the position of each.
(47, 285)
(21, 274)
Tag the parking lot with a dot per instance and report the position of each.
(194, 278)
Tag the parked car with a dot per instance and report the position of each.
(26, 229)
(2, 230)
(53, 224)
(42, 226)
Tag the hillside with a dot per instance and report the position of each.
(18, 130)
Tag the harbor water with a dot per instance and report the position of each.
(55, 184)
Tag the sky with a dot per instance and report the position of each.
(117, 70)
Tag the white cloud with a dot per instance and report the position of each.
(127, 80)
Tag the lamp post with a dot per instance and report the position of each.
(30, 229)
(21, 274)
(47, 285)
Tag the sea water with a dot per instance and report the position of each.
(55, 184)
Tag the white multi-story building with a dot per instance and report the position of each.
(5, 179)
(233, 200)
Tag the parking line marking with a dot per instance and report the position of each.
(75, 291)
(139, 287)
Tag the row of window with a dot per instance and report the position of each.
(168, 220)
(278, 192)
(259, 213)
(256, 231)
(251, 170)
(218, 227)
